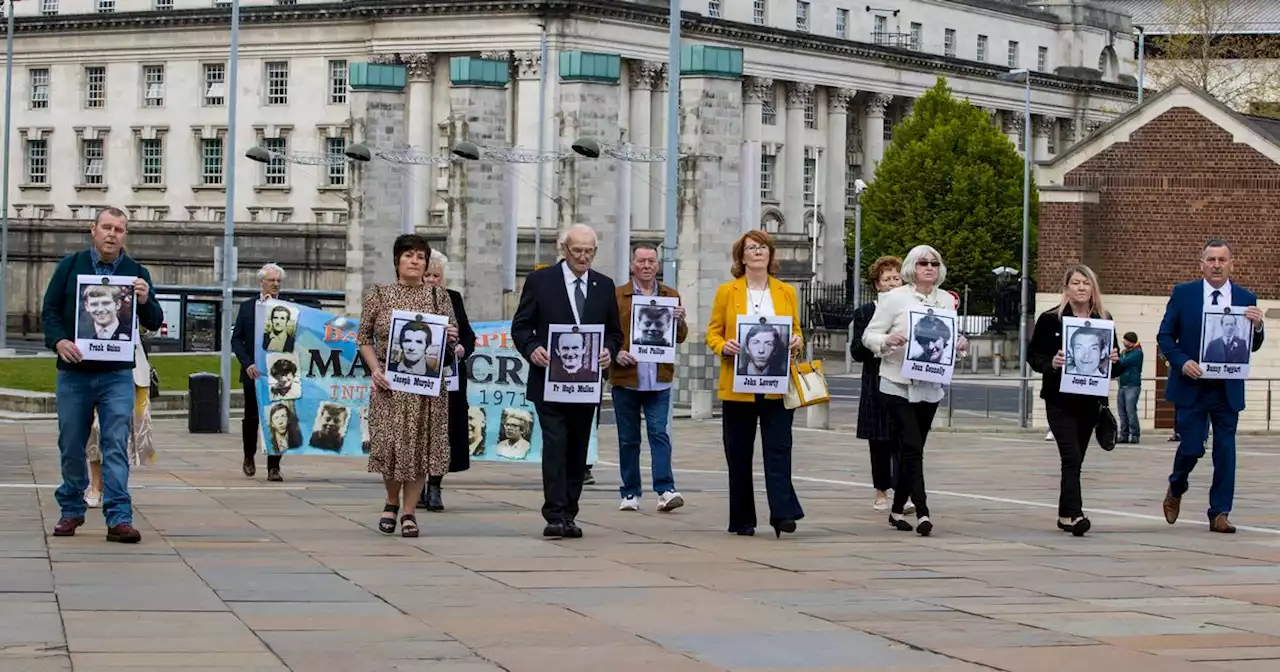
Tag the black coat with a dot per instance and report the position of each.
(459, 456)
(874, 423)
(241, 339)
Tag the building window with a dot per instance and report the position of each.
(1042, 59)
(336, 148)
(215, 84)
(802, 16)
(39, 88)
(1053, 140)
(164, 5)
(810, 175)
(49, 7)
(852, 174)
(277, 82)
(768, 112)
(880, 33)
(917, 36)
(767, 164)
(713, 9)
(982, 48)
(759, 12)
(37, 162)
(91, 161)
(842, 23)
(1013, 54)
(949, 42)
(337, 82)
(151, 167)
(153, 86)
(211, 154)
(810, 113)
(276, 172)
(106, 6)
(95, 86)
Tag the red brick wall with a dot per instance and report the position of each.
(1178, 181)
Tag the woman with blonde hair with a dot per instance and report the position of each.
(1072, 417)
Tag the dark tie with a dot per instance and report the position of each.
(1215, 295)
(580, 299)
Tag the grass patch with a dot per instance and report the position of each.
(39, 374)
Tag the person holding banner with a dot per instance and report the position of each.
(1204, 392)
(1072, 408)
(459, 410)
(755, 292)
(911, 403)
(645, 386)
(270, 279)
(92, 381)
(408, 433)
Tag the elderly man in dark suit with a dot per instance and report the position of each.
(271, 278)
(568, 292)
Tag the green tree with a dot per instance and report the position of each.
(952, 180)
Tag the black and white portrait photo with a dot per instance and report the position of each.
(763, 361)
(279, 327)
(931, 345)
(283, 432)
(1086, 345)
(414, 347)
(106, 318)
(330, 428)
(364, 430)
(1226, 343)
(573, 373)
(284, 379)
(653, 328)
(516, 438)
(476, 430)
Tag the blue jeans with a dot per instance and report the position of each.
(78, 394)
(1128, 409)
(627, 406)
(1193, 426)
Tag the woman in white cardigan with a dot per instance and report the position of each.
(911, 403)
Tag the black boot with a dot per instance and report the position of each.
(431, 499)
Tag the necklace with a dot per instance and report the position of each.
(756, 303)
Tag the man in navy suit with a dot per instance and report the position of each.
(1199, 402)
(566, 293)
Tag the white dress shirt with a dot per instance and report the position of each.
(1224, 299)
(571, 288)
(107, 333)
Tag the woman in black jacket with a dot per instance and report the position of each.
(874, 423)
(1072, 417)
(459, 455)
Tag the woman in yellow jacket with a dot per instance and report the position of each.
(755, 291)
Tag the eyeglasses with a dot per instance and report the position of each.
(756, 248)
(582, 251)
(934, 264)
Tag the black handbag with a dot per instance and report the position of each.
(155, 383)
(1107, 429)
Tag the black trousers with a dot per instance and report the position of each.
(566, 435)
(1072, 425)
(912, 422)
(249, 427)
(884, 462)
(739, 421)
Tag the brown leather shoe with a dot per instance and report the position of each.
(124, 533)
(1172, 506)
(1221, 524)
(66, 527)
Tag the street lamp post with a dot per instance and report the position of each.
(4, 205)
(229, 217)
(1024, 75)
(1142, 61)
(669, 238)
(858, 187)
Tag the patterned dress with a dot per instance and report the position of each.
(408, 433)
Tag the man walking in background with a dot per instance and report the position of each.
(1130, 389)
(271, 279)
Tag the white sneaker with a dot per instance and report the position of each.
(670, 501)
(882, 504)
(1048, 435)
(908, 509)
(92, 499)
(629, 503)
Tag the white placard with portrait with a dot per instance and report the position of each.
(573, 372)
(763, 361)
(653, 328)
(106, 317)
(931, 345)
(1086, 345)
(1226, 343)
(451, 377)
(415, 344)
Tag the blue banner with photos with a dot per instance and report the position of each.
(315, 387)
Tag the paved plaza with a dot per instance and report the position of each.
(239, 574)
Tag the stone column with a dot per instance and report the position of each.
(1066, 133)
(836, 173)
(755, 91)
(589, 104)
(1015, 127)
(643, 78)
(478, 113)
(708, 212)
(873, 136)
(1041, 128)
(657, 138)
(799, 95)
(421, 70)
(527, 68)
(379, 117)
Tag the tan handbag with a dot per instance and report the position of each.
(808, 385)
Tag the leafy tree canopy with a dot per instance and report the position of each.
(952, 180)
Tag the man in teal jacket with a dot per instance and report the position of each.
(86, 386)
(1130, 389)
